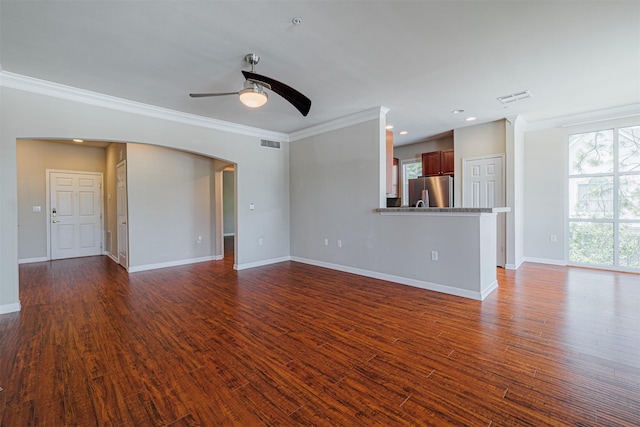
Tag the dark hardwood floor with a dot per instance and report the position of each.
(292, 344)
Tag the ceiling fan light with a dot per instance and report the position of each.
(253, 96)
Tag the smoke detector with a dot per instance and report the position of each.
(518, 96)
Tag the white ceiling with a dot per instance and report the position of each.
(421, 59)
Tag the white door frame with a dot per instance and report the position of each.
(501, 257)
(125, 244)
(48, 172)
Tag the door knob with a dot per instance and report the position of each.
(124, 222)
(55, 221)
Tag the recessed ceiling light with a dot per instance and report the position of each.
(404, 132)
(78, 140)
(457, 111)
(470, 119)
(388, 127)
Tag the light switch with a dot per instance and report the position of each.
(37, 208)
(251, 206)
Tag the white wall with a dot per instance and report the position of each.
(262, 174)
(544, 195)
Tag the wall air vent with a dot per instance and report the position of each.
(518, 96)
(270, 144)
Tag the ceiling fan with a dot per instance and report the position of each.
(253, 93)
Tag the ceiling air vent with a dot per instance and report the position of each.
(270, 144)
(518, 96)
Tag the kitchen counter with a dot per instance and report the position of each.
(451, 250)
(463, 211)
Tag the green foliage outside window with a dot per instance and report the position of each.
(604, 166)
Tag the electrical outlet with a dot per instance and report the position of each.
(339, 243)
(326, 242)
(199, 239)
(434, 255)
(260, 241)
(553, 238)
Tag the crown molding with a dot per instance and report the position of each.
(615, 113)
(43, 87)
(350, 120)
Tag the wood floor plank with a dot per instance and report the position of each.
(293, 344)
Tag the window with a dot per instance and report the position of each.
(604, 198)
(410, 169)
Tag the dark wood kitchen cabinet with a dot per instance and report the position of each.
(447, 162)
(437, 163)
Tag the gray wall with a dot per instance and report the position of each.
(335, 188)
(171, 203)
(34, 157)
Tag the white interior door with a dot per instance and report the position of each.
(123, 231)
(483, 187)
(75, 204)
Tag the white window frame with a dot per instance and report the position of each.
(405, 179)
(615, 220)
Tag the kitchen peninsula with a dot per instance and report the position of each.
(457, 247)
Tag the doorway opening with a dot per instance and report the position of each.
(173, 198)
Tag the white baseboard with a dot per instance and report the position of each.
(169, 264)
(515, 266)
(229, 234)
(10, 308)
(559, 262)
(485, 293)
(114, 258)
(403, 280)
(30, 260)
(260, 263)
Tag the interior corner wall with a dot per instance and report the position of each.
(228, 203)
(262, 174)
(514, 173)
(116, 152)
(33, 158)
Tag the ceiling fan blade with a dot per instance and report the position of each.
(202, 95)
(298, 100)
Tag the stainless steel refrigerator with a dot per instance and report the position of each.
(434, 191)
